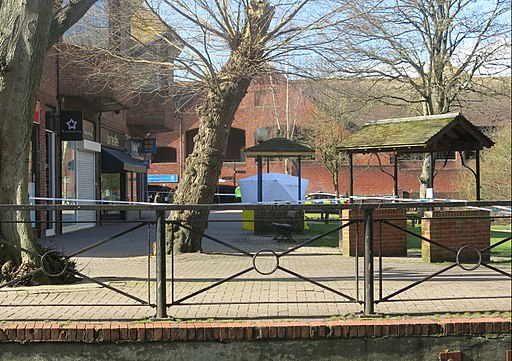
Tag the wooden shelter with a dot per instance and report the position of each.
(428, 134)
(275, 148)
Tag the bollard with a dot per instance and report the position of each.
(161, 277)
(368, 262)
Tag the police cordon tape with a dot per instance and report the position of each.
(497, 209)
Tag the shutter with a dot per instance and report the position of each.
(85, 185)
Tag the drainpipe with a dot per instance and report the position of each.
(98, 167)
(58, 145)
(181, 148)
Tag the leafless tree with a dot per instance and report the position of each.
(431, 52)
(496, 168)
(212, 49)
(27, 30)
(337, 106)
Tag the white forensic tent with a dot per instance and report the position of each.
(277, 187)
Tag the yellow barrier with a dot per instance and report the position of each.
(248, 221)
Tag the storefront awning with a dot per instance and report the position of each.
(113, 160)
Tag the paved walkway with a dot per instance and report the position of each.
(311, 282)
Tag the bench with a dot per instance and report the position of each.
(284, 230)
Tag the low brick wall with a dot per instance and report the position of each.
(228, 331)
(370, 340)
(394, 241)
(455, 229)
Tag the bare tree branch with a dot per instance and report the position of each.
(66, 17)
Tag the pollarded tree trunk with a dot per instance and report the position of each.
(223, 94)
(22, 50)
(204, 165)
(27, 30)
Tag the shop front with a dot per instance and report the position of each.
(123, 178)
(78, 171)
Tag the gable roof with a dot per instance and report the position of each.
(279, 147)
(433, 133)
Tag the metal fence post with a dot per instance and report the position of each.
(368, 262)
(161, 277)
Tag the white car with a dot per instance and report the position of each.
(323, 198)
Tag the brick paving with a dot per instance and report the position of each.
(250, 296)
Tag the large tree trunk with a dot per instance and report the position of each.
(203, 166)
(335, 182)
(435, 104)
(23, 27)
(425, 175)
(27, 30)
(223, 94)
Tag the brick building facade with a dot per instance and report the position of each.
(277, 105)
(118, 124)
(104, 164)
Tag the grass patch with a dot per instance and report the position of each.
(331, 240)
(413, 243)
(504, 249)
(318, 216)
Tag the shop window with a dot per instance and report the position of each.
(32, 169)
(165, 155)
(111, 186)
(68, 180)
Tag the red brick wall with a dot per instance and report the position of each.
(47, 97)
(455, 229)
(394, 241)
(232, 331)
(370, 180)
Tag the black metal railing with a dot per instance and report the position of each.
(165, 267)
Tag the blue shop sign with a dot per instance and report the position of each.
(162, 178)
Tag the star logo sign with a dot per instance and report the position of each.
(71, 124)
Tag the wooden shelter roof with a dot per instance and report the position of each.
(433, 133)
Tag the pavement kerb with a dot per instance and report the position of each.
(250, 331)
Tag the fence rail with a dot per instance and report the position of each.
(266, 261)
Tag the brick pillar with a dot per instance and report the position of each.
(394, 241)
(455, 229)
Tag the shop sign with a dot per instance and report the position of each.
(149, 145)
(71, 125)
(112, 139)
(162, 178)
(88, 130)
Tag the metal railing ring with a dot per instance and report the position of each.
(459, 261)
(261, 253)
